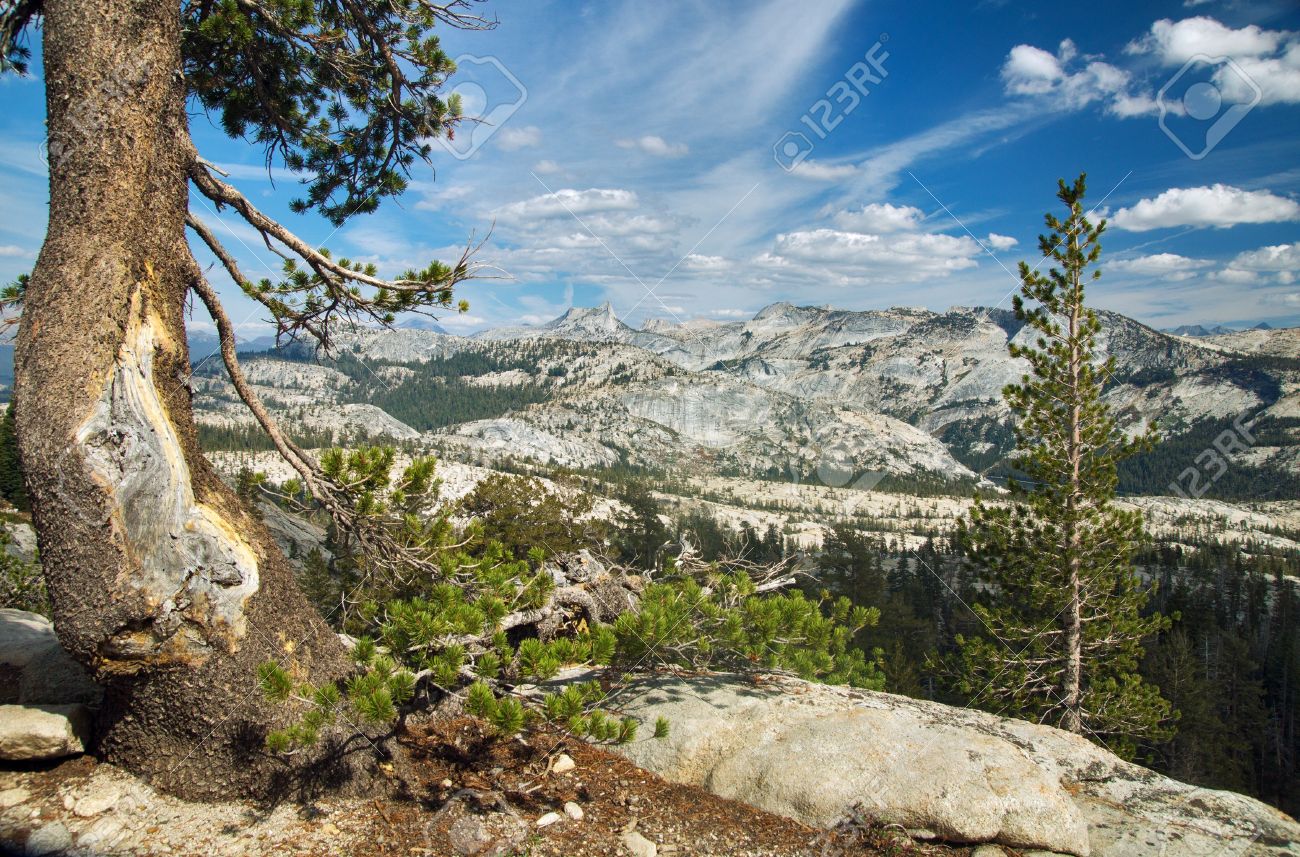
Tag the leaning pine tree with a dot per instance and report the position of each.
(1063, 614)
(161, 582)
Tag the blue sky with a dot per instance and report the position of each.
(637, 153)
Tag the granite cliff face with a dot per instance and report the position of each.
(716, 422)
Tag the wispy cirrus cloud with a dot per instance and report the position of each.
(819, 171)
(731, 65)
(513, 137)
(652, 144)
(881, 168)
(693, 192)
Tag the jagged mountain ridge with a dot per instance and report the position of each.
(600, 324)
(1200, 330)
(932, 368)
(904, 391)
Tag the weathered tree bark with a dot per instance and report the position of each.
(161, 583)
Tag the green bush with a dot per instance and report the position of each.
(467, 618)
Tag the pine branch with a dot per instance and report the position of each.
(331, 293)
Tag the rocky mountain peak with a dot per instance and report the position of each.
(591, 320)
(776, 310)
(422, 323)
(787, 314)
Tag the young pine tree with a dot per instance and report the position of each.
(1062, 630)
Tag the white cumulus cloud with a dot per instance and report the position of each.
(1175, 42)
(1159, 263)
(880, 217)
(697, 262)
(1235, 276)
(911, 255)
(1166, 266)
(1278, 257)
(1031, 71)
(1219, 205)
(618, 224)
(1067, 84)
(1269, 59)
(1000, 242)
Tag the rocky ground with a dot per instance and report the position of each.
(460, 790)
(763, 765)
(818, 754)
(474, 796)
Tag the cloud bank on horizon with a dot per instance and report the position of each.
(705, 160)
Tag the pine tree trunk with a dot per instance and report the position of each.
(1071, 682)
(160, 581)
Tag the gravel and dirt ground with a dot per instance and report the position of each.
(469, 793)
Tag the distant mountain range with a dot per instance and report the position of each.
(1217, 330)
(203, 345)
(903, 395)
